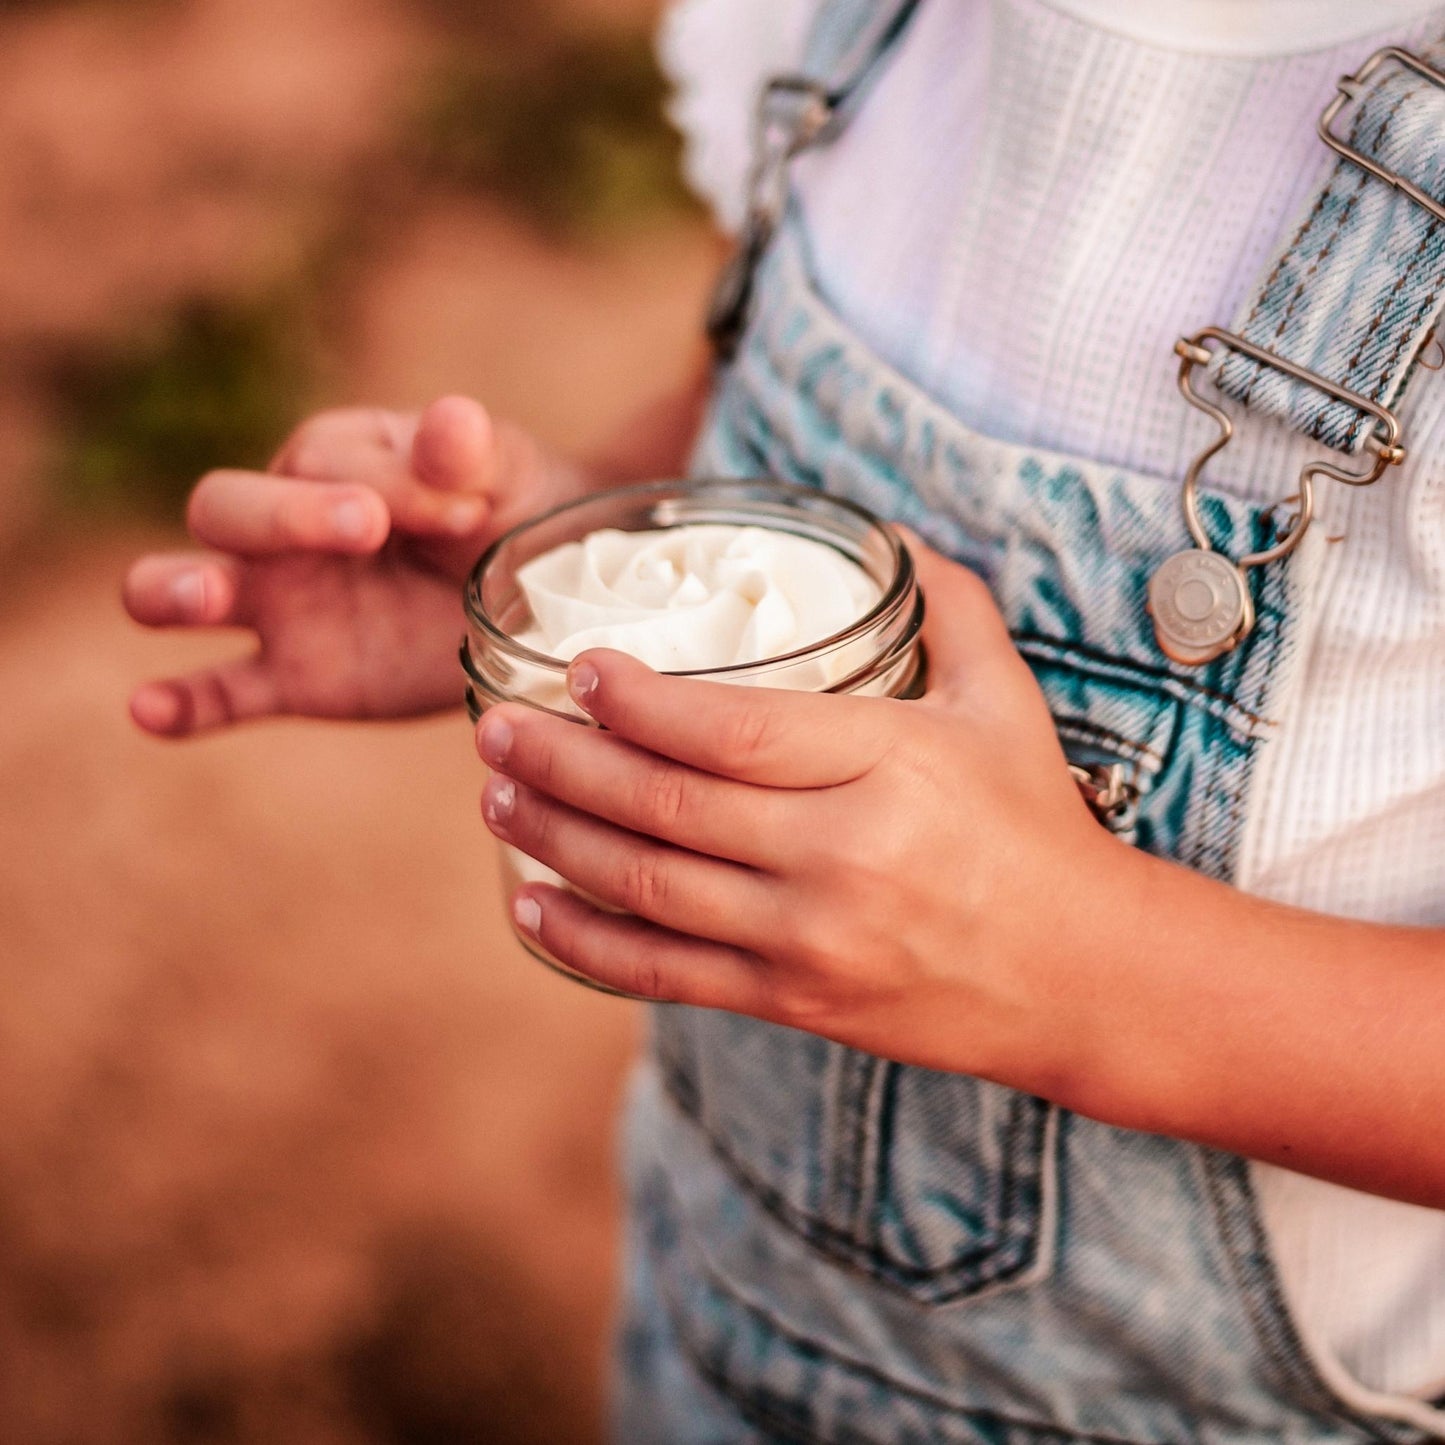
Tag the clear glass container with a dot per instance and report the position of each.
(878, 655)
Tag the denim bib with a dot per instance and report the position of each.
(829, 1247)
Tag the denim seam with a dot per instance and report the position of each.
(865, 1131)
(1008, 1254)
(806, 1347)
(1084, 731)
(816, 1230)
(1268, 636)
(1360, 177)
(1230, 1192)
(1423, 310)
(846, 1141)
(1377, 320)
(753, 1411)
(882, 1172)
(1346, 211)
(1228, 709)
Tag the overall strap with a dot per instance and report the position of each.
(1356, 289)
(1326, 343)
(845, 47)
(846, 42)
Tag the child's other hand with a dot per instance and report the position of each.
(345, 560)
(904, 877)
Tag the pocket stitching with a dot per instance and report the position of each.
(790, 1338)
(1010, 1251)
(1093, 662)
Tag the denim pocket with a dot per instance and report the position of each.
(934, 1184)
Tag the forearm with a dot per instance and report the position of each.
(1306, 1041)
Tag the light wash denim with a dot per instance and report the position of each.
(828, 1247)
(1358, 285)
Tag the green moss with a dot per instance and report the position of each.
(572, 132)
(213, 383)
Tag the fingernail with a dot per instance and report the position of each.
(350, 521)
(527, 915)
(499, 800)
(464, 515)
(188, 591)
(582, 683)
(496, 740)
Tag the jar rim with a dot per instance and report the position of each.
(894, 595)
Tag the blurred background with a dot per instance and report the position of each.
(295, 1144)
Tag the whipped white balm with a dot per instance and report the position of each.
(748, 583)
(691, 598)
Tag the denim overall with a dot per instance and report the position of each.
(829, 1247)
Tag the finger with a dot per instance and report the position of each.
(451, 479)
(455, 449)
(433, 470)
(369, 445)
(216, 697)
(180, 589)
(963, 630)
(602, 774)
(640, 958)
(753, 734)
(685, 891)
(256, 514)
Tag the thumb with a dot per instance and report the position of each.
(447, 494)
(963, 631)
(455, 448)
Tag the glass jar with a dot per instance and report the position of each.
(877, 656)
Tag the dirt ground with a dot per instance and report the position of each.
(296, 1145)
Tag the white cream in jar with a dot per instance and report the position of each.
(752, 583)
(699, 596)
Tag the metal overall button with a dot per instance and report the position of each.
(1201, 605)
(1200, 599)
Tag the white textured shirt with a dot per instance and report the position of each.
(1034, 202)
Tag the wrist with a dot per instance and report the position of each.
(1094, 983)
(1155, 998)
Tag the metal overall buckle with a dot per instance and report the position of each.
(792, 112)
(1199, 599)
(1350, 88)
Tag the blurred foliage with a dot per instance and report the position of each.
(213, 383)
(570, 131)
(566, 127)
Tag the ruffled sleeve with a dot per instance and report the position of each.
(717, 53)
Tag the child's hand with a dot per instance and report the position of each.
(345, 559)
(905, 877)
